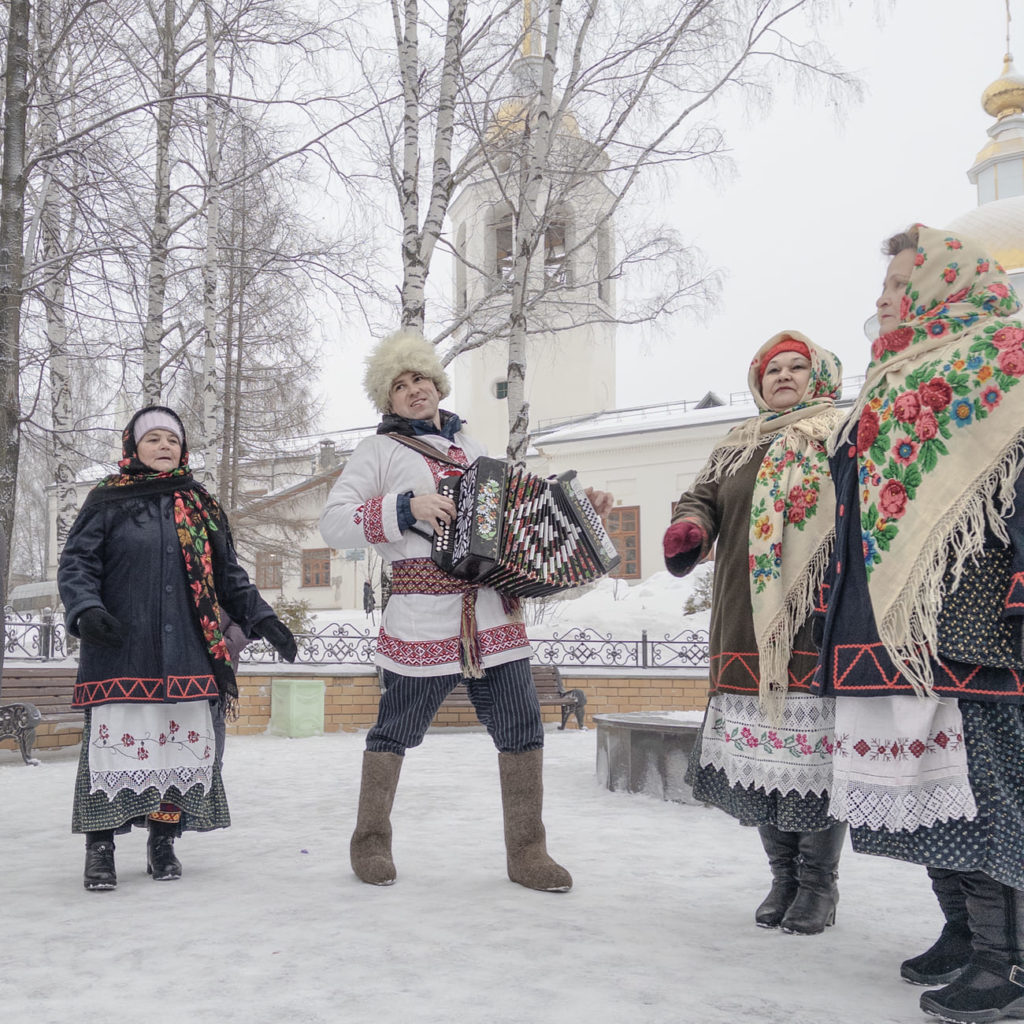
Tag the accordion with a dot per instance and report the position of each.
(521, 534)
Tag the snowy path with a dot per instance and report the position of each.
(269, 925)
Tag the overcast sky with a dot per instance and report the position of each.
(797, 227)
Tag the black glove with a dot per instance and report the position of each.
(98, 626)
(276, 633)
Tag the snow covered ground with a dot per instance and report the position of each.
(268, 924)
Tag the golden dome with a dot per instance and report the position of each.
(512, 116)
(1005, 95)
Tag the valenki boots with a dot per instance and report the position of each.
(99, 862)
(522, 796)
(814, 907)
(783, 853)
(992, 985)
(370, 848)
(946, 959)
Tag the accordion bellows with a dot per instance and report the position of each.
(521, 534)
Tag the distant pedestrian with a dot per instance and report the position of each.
(369, 601)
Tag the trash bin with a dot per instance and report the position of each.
(297, 707)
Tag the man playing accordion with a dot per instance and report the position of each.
(436, 631)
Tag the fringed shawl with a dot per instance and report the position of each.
(791, 511)
(940, 440)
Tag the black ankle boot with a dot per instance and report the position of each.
(949, 955)
(814, 907)
(99, 862)
(161, 862)
(944, 962)
(783, 850)
(985, 991)
(992, 986)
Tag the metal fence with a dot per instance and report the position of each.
(39, 639)
(43, 639)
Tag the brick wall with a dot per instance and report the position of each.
(350, 701)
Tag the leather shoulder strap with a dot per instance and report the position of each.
(425, 449)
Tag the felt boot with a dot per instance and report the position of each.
(992, 985)
(522, 796)
(99, 862)
(946, 959)
(814, 907)
(161, 861)
(370, 847)
(783, 852)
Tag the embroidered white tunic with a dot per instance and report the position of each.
(419, 633)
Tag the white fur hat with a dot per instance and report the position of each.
(399, 353)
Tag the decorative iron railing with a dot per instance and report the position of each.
(40, 639)
(344, 644)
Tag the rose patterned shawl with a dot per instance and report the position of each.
(940, 439)
(791, 512)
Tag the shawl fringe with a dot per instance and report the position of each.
(775, 645)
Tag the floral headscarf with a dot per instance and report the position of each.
(940, 439)
(791, 510)
(201, 528)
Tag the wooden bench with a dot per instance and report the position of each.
(49, 691)
(548, 681)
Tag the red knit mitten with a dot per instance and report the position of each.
(682, 537)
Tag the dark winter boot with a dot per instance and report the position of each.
(370, 847)
(99, 862)
(948, 956)
(522, 796)
(161, 862)
(992, 986)
(783, 853)
(814, 907)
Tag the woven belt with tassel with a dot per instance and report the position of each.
(422, 576)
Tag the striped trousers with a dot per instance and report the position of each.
(505, 701)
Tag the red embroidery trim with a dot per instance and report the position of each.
(747, 661)
(426, 653)
(373, 521)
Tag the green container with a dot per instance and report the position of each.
(296, 707)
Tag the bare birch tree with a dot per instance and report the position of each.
(12, 223)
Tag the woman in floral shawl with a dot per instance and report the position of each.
(146, 568)
(922, 636)
(764, 754)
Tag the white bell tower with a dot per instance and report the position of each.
(570, 366)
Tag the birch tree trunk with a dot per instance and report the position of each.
(156, 286)
(535, 161)
(55, 260)
(418, 244)
(12, 227)
(212, 402)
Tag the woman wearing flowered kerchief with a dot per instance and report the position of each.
(764, 754)
(925, 611)
(146, 571)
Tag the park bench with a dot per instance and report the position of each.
(31, 696)
(548, 681)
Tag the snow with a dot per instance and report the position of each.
(268, 924)
(613, 608)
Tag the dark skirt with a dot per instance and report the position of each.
(749, 805)
(994, 841)
(203, 809)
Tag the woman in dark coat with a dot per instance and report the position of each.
(922, 636)
(764, 754)
(145, 570)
